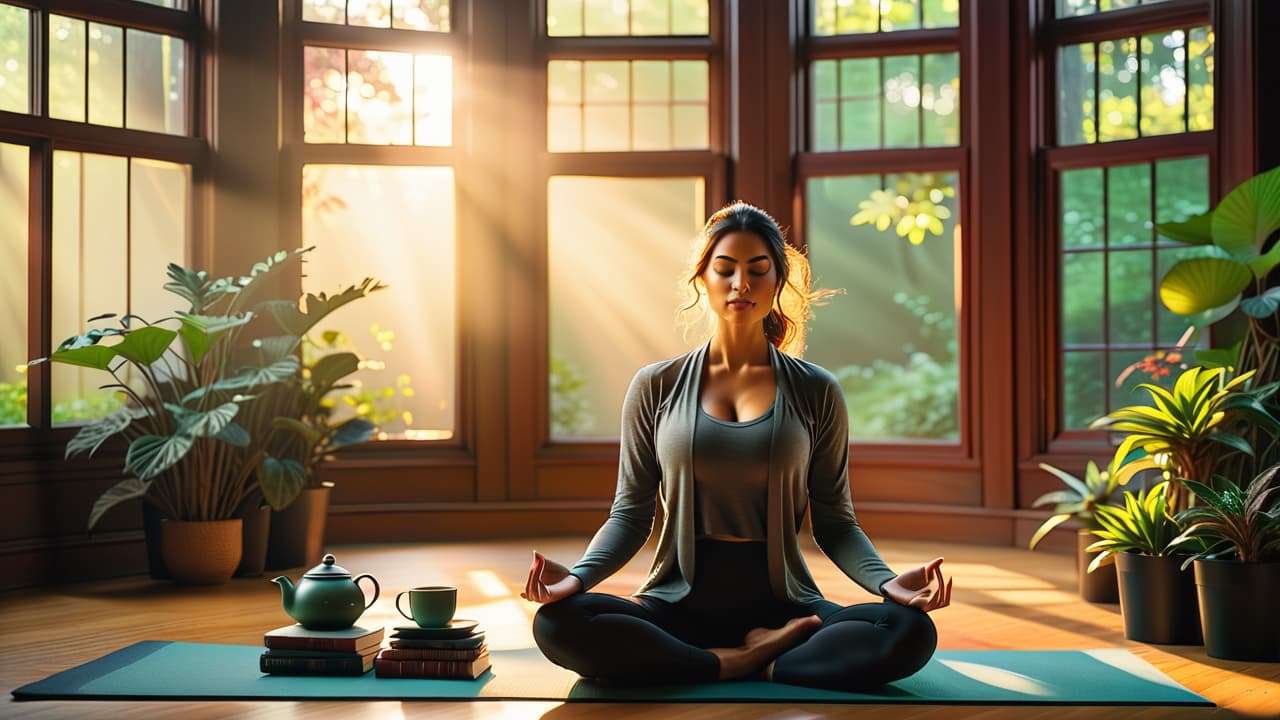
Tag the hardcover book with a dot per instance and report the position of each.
(444, 669)
(296, 637)
(353, 664)
(467, 643)
(433, 654)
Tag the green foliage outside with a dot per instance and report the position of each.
(381, 404)
(917, 398)
(570, 409)
(13, 405)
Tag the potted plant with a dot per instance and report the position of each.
(1077, 502)
(186, 449)
(1237, 569)
(1157, 597)
(1187, 431)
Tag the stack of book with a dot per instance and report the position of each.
(295, 650)
(457, 652)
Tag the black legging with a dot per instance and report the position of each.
(651, 641)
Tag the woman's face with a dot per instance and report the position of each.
(741, 279)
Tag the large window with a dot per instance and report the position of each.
(376, 156)
(1124, 88)
(104, 119)
(882, 183)
(618, 239)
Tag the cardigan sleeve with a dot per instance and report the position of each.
(835, 527)
(631, 516)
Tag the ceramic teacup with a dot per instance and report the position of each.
(430, 606)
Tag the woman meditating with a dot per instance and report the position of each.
(737, 438)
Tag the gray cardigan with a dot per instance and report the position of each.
(809, 463)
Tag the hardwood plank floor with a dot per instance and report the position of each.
(1004, 598)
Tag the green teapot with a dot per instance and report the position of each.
(326, 598)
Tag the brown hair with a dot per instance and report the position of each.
(793, 301)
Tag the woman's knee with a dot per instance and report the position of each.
(916, 637)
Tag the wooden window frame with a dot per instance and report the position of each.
(44, 136)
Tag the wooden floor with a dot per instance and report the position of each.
(1003, 598)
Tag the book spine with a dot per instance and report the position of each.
(446, 669)
(306, 643)
(310, 666)
(408, 654)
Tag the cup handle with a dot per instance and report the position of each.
(398, 609)
(376, 589)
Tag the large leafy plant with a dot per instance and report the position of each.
(187, 453)
(1237, 271)
(1143, 526)
(1186, 430)
(1080, 499)
(1243, 522)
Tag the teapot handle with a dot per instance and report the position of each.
(376, 589)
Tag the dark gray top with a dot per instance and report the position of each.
(808, 468)
(731, 475)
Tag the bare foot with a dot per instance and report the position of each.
(762, 645)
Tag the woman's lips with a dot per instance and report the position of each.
(741, 304)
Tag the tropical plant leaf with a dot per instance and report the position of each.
(151, 455)
(145, 345)
(276, 347)
(1246, 217)
(126, 489)
(262, 275)
(1057, 497)
(1232, 440)
(235, 435)
(90, 437)
(200, 332)
(210, 422)
(1262, 305)
(278, 371)
(308, 433)
(1195, 285)
(317, 307)
(330, 369)
(98, 357)
(1048, 525)
(1195, 230)
(354, 430)
(281, 481)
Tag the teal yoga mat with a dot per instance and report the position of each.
(156, 670)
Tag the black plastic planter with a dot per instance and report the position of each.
(1099, 586)
(1157, 600)
(1238, 606)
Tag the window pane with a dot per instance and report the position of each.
(1077, 71)
(369, 13)
(899, 371)
(899, 15)
(1117, 89)
(14, 196)
(106, 75)
(66, 68)
(1129, 205)
(1081, 207)
(433, 100)
(1071, 8)
(156, 92)
(324, 101)
(1084, 388)
(15, 59)
(396, 224)
(1183, 185)
(159, 203)
(90, 269)
(1130, 302)
(1200, 79)
(567, 18)
(432, 15)
(618, 105)
(859, 103)
(1164, 86)
(941, 13)
(940, 99)
(1083, 281)
(379, 97)
(902, 101)
(600, 229)
(325, 11)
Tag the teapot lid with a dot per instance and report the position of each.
(326, 570)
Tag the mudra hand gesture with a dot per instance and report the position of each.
(914, 588)
(549, 581)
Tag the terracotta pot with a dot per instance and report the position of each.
(1099, 586)
(201, 552)
(256, 529)
(297, 532)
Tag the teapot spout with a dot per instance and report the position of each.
(286, 592)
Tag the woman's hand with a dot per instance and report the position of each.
(549, 581)
(914, 588)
